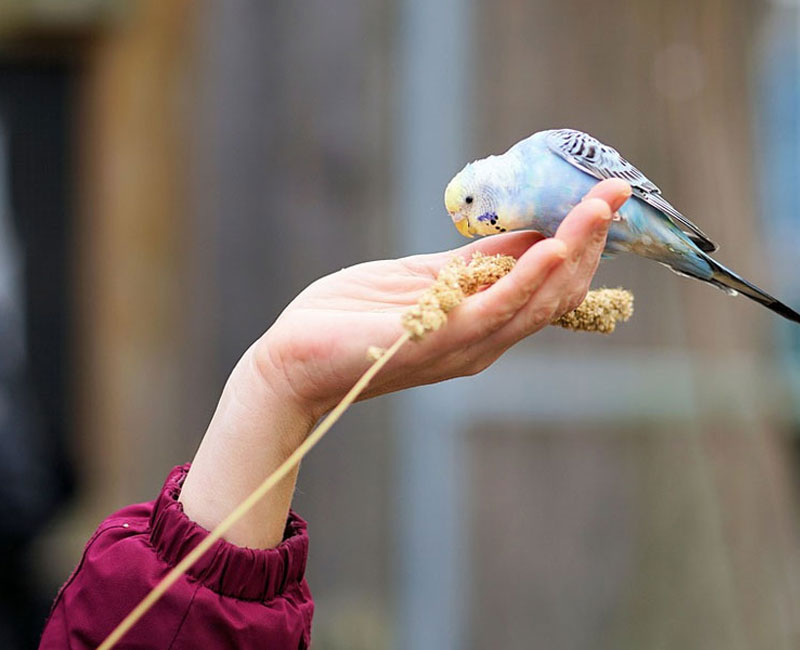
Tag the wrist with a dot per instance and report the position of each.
(289, 373)
(256, 426)
(266, 389)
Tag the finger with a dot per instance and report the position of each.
(489, 310)
(512, 243)
(590, 221)
(614, 192)
(583, 231)
(586, 223)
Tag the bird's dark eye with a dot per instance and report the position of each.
(469, 199)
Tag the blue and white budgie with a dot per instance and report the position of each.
(540, 179)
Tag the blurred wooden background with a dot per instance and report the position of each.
(230, 153)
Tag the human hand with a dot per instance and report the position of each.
(315, 351)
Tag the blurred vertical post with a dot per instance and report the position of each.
(432, 140)
(777, 126)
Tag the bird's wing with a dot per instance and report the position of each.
(601, 161)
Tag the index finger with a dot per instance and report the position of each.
(612, 192)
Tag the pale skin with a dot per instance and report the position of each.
(315, 351)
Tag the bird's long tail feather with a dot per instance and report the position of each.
(726, 280)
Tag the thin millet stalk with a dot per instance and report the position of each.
(273, 479)
(456, 281)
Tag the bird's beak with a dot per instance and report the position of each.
(462, 225)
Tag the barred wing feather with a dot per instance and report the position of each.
(601, 161)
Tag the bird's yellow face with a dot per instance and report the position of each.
(457, 201)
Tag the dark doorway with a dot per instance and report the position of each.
(36, 204)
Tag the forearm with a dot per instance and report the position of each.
(254, 428)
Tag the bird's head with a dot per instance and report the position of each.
(471, 199)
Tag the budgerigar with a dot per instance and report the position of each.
(539, 180)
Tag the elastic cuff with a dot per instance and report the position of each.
(230, 570)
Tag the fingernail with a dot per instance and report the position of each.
(620, 199)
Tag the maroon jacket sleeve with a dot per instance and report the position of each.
(234, 597)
